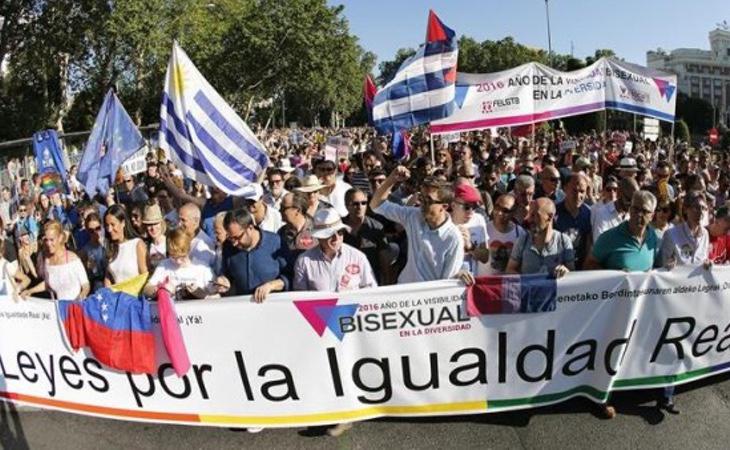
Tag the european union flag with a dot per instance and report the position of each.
(113, 139)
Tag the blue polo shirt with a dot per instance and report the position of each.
(617, 249)
(248, 270)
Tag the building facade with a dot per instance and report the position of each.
(700, 73)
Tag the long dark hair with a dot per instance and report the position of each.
(118, 212)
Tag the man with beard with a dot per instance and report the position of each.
(542, 249)
(276, 190)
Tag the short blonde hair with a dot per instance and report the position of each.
(178, 243)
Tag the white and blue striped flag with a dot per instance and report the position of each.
(423, 89)
(204, 136)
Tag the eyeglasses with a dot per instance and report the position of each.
(363, 203)
(428, 201)
(503, 210)
(638, 210)
(277, 181)
(467, 206)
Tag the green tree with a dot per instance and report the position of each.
(681, 131)
(696, 112)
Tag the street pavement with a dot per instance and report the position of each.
(702, 424)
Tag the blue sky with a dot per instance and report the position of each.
(630, 28)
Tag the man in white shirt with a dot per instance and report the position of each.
(435, 247)
(332, 266)
(202, 247)
(610, 215)
(502, 234)
(276, 190)
(265, 217)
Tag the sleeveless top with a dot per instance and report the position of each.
(125, 266)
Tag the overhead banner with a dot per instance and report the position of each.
(411, 350)
(534, 92)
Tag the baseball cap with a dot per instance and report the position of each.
(467, 193)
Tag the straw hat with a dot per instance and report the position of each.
(326, 223)
(152, 215)
(310, 183)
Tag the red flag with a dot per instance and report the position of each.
(369, 91)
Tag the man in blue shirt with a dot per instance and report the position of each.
(254, 261)
(573, 216)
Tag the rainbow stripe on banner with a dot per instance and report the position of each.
(51, 183)
(436, 409)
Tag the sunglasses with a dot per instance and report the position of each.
(504, 210)
(94, 229)
(467, 206)
(428, 201)
(359, 203)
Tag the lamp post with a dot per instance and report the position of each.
(550, 43)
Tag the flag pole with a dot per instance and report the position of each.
(433, 154)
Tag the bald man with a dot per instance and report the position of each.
(542, 249)
(550, 185)
(202, 247)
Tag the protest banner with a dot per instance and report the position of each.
(308, 358)
(533, 92)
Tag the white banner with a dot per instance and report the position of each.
(534, 92)
(404, 350)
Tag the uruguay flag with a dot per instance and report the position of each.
(423, 89)
(204, 136)
(116, 327)
(509, 294)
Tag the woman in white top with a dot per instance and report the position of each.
(178, 274)
(63, 273)
(127, 254)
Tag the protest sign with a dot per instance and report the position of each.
(533, 92)
(137, 163)
(340, 148)
(307, 358)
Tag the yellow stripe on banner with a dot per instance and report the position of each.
(460, 407)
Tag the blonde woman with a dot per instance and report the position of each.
(62, 272)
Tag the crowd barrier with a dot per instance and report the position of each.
(311, 358)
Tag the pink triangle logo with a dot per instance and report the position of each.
(666, 90)
(309, 308)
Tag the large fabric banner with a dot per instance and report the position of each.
(534, 92)
(317, 358)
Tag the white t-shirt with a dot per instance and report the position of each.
(66, 280)
(604, 217)
(500, 248)
(272, 220)
(194, 273)
(679, 244)
(202, 249)
(336, 198)
(478, 235)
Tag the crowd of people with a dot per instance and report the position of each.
(483, 204)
